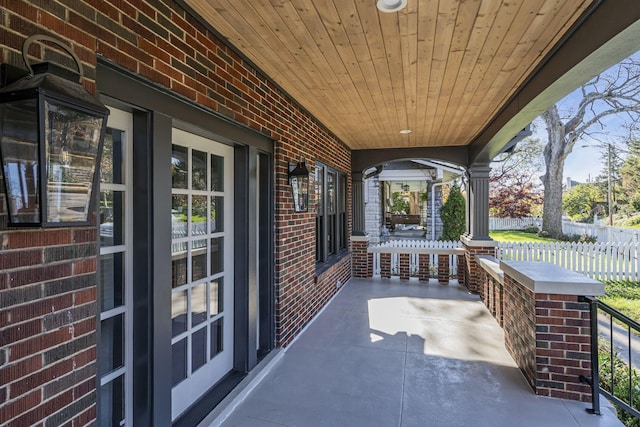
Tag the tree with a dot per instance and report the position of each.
(452, 214)
(614, 92)
(630, 176)
(514, 186)
(582, 201)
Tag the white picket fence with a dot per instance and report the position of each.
(600, 261)
(414, 248)
(602, 232)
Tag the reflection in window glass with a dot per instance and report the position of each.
(319, 182)
(112, 403)
(198, 304)
(331, 192)
(179, 361)
(199, 170)
(216, 293)
(111, 218)
(111, 171)
(198, 349)
(179, 213)
(111, 344)
(216, 337)
(198, 260)
(179, 167)
(198, 215)
(111, 281)
(217, 255)
(217, 173)
(178, 264)
(217, 214)
(178, 312)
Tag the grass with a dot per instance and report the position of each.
(517, 236)
(624, 296)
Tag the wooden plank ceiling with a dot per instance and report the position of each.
(441, 68)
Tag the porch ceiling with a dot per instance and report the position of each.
(442, 68)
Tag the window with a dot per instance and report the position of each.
(331, 215)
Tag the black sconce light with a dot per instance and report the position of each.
(51, 135)
(299, 180)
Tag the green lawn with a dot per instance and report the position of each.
(517, 236)
(624, 296)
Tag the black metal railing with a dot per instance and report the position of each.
(612, 372)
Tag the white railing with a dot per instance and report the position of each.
(513, 223)
(603, 233)
(600, 261)
(415, 247)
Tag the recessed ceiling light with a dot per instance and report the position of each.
(389, 6)
(405, 131)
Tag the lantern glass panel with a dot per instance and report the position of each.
(72, 138)
(300, 187)
(19, 149)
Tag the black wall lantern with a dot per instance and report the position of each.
(299, 180)
(51, 135)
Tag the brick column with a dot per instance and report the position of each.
(361, 259)
(471, 267)
(443, 269)
(546, 328)
(385, 265)
(404, 266)
(423, 267)
(461, 263)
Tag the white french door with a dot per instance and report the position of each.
(115, 287)
(202, 266)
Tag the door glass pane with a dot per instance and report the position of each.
(111, 344)
(178, 312)
(111, 162)
(198, 304)
(198, 349)
(217, 173)
(179, 167)
(217, 255)
(216, 292)
(217, 214)
(199, 170)
(216, 337)
(112, 403)
(198, 215)
(199, 260)
(179, 361)
(111, 281)
(111, 218)
(179, 213)
(178, 264)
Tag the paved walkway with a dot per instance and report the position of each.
(388, 353)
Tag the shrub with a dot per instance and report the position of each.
(578, 238)
(543, 233)
(453, 214)
(532, 229)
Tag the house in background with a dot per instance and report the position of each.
(403, 199)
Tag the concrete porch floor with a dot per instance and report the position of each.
(391, 353)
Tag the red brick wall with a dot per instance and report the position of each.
(162, 43)
(472, 269)
(520, 327)
(548, 336)
(361, 259)
(47, 326)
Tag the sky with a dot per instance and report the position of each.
(587, 160)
